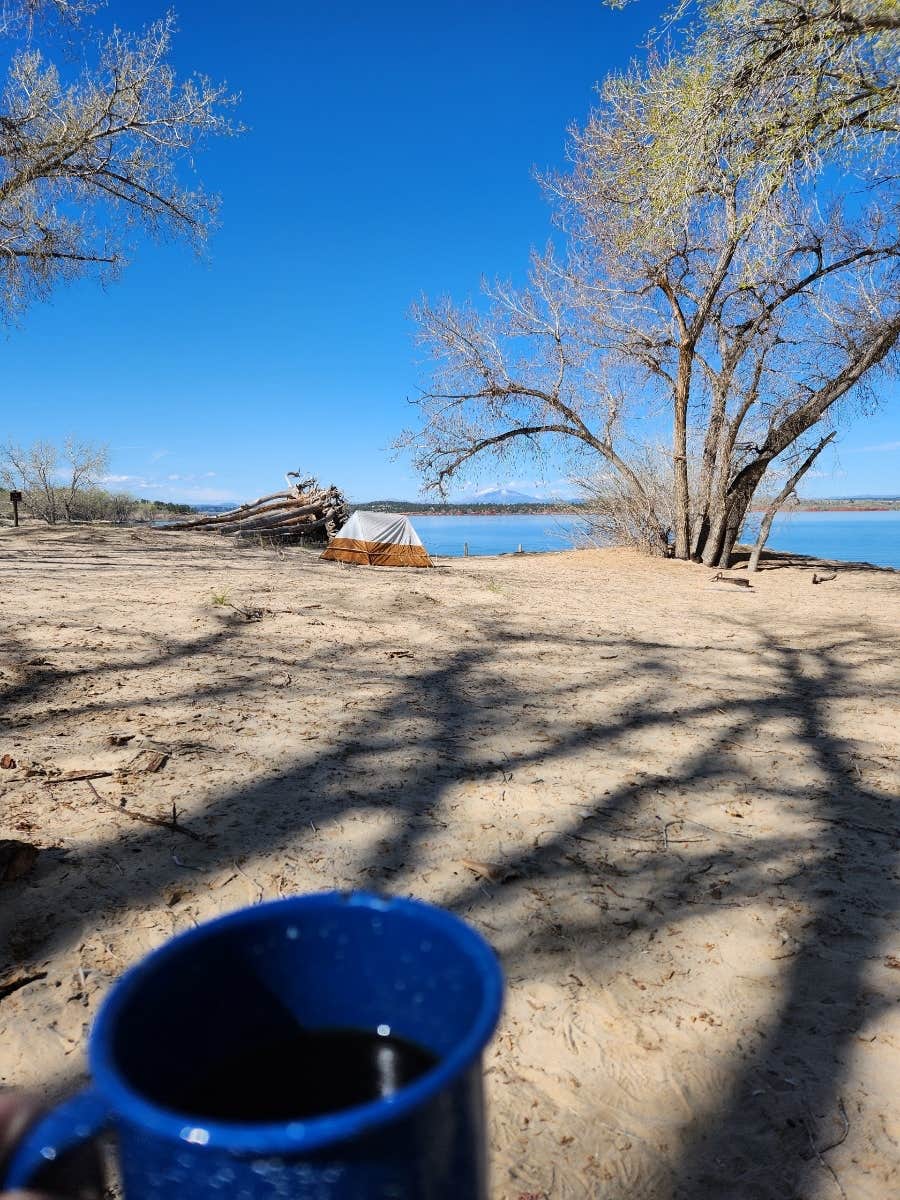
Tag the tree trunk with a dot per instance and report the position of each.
(682, 488)
(729, 513)
(712, 452)
(764, 527)
(708, 543)
(736, 513)
(708, 550)
(731, 533)
(769, 514)
(726, 518)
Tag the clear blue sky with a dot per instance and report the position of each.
(390, 153)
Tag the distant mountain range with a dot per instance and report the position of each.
(489, 496)
(500, 495)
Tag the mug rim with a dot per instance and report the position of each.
(128, 1104)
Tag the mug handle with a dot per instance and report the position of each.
(63, 1128)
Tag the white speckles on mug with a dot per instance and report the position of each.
(195, 1135)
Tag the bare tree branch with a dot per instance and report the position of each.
(90, 157)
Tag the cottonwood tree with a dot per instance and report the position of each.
(94, 149)
(87, 462)
(706, 281)
(32, 472)
(53, 482)
(822, 72)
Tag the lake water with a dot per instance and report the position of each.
(857, 537)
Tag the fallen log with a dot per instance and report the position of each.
(305, 508)
(297, 527)
(248, 512)
(285, 513)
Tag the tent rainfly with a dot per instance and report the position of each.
(378, 539)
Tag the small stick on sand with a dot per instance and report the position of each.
(80, 776)
(720, 578)
(819, 1153)
(259, 888)
(722, 833)
(846, 1120)
(159, 822)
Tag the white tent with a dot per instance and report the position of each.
(378, 539)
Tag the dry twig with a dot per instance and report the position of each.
(159, 822)
(819, 1153)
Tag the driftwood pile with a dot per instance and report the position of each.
(303, 511)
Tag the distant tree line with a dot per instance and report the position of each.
(64, 485)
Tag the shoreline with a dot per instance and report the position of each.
(868, 538)
(768, 558)
(741, 550)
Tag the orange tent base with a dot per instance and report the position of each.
(376, 554)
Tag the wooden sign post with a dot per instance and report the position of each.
(15, 497)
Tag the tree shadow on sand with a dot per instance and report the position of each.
(469, 719)
(782, 1109)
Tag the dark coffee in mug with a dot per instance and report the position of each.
(309, 1074)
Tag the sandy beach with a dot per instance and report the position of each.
(669, 804)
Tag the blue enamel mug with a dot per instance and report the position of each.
(335, 961)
